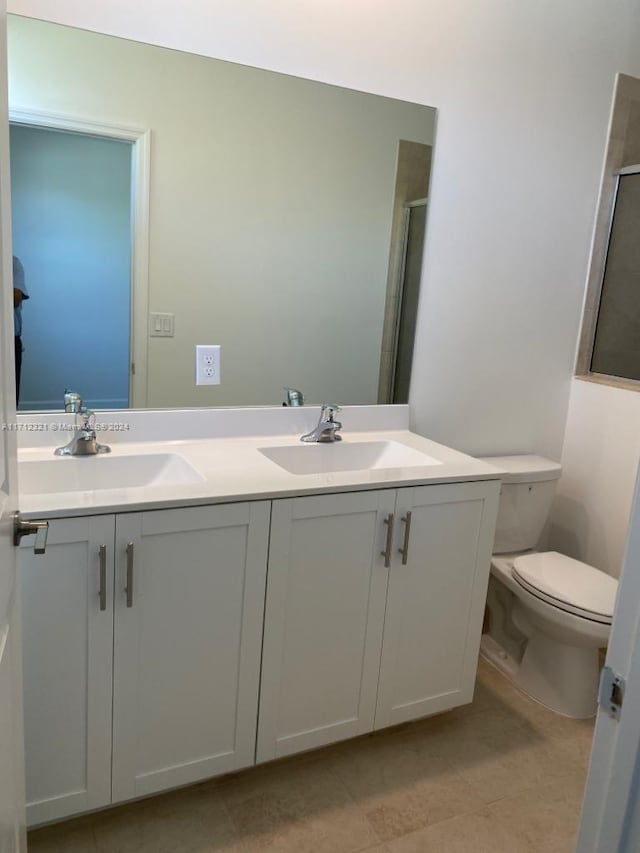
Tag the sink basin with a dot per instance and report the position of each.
(76, 474)
(346, 456)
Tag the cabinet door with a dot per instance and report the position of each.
(323, 622)
(187, 646)
(436, 600)
(68, 648)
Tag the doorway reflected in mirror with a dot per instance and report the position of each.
(71, 222)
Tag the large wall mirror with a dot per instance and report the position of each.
(162, 200)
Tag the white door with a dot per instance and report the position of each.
(611, 810)
(324, 617)
(67, 616)
(189, 607)
(437, 592)
(12, 809)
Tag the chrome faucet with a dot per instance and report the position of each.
(327, 428)
(72, 401)
(85, 441)
(294, 397)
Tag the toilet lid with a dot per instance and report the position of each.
(568, 584)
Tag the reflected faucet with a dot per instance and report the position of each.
(327, 428)
(294, 397)
(85, 441)
(72, 401)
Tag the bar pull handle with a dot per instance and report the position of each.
(387, 551)
(102, 591)
(129, 586)
(406, 519)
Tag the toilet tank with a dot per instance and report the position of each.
(528, 487)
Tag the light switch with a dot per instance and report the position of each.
(161, 325)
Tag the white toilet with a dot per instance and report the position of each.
(548, 614)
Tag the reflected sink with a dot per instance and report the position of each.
(79, 474)
(346, 456)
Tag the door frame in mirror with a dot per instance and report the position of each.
(140, 140)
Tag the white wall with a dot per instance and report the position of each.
(599, 460)
(523, 91)
(601, 453)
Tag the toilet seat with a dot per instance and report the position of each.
(567, 584)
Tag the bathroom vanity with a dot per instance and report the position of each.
(183, 629)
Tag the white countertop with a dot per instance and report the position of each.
(233, 469)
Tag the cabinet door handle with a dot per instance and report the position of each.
(406, 519)
(387, 551)
(27, 528)
(102, 591)
(129, 586)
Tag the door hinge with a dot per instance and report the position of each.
(27, 528)
(133, 368)
(611, 692)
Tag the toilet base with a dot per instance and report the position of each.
(562, 678)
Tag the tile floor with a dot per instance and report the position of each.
(502, 775)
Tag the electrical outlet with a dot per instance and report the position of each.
(207, 364)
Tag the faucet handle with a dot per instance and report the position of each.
(329, 409)
(88, 419)
(72, 401)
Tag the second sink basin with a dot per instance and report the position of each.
(346, 456)
(74, 474)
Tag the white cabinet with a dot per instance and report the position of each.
(351, 644)
(188, 636)
(435, 602)
(145, 662)
(181, 670)
(67, 667)
(323, 621)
